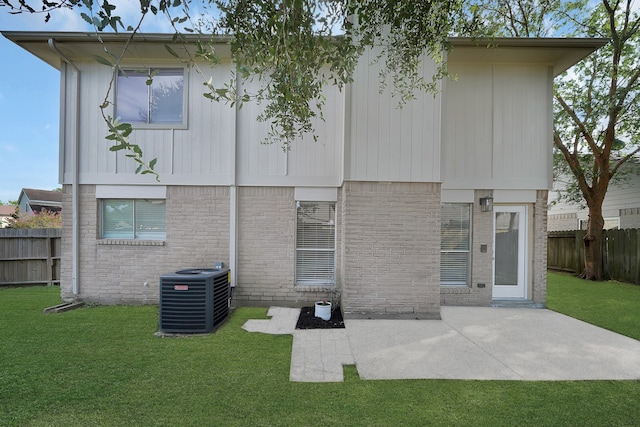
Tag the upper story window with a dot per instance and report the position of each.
(135, 219)
(151, 96)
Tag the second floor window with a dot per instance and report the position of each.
(151, 96)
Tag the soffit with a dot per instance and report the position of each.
(560, 54)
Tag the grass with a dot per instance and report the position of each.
(610, 305)
(104, 366)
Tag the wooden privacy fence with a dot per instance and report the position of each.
(30, 256)
(620, 253)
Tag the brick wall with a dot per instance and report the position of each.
(562, 222)
(391, 249)
(388, 249)
(539, 259)
(481, 261)
(125, 271)
(266, 249)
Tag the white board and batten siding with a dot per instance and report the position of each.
(497, 127)
(203, 152)
(307, 163)
(387, 142)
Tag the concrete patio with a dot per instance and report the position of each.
(481, 343)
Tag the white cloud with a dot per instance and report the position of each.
(10, 148)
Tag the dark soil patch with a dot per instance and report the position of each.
(307, 320)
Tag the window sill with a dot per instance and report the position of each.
(311, 287)
(455, 289)
(159, 126)
(130, 242)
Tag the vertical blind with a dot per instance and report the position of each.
(315, 243)
(455, 244)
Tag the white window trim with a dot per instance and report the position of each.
(467, 251)
(307, 282)
(117, 240)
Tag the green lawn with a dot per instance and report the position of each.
(104, 366)
(611, 305)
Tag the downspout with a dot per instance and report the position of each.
(75, 233)
(233, 202)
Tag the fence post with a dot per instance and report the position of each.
(49, 262)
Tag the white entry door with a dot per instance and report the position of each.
(510, 243)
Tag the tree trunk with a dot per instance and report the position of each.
(593, 268)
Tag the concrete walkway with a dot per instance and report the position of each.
(485, 343)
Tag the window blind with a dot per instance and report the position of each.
(315, 243)
(455, 244)
(133, 219)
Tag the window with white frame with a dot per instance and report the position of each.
(137, 219)
(455, 244)
(609, 223)
(151, 96)
(316, 243)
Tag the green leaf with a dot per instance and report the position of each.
(86, 17)
(171, 51)
(102, 60)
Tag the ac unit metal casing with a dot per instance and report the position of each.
(194, 300)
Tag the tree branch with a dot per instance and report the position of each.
(574, 165)
(579, 124)
(622, 161)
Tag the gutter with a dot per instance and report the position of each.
(75, 232)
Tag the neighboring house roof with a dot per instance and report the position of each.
(5, 214)
(7, 210)
(36, 200)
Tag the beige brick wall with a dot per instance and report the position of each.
(121, 271)
(481, 262)
(388, 249)
(266, 249)
(539, 259)
(562, 222)
(391, 249)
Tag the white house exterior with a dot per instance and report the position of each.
(620, 209)
(384, 207)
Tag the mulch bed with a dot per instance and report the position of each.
(307, 320)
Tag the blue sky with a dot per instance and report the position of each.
(30, 102)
